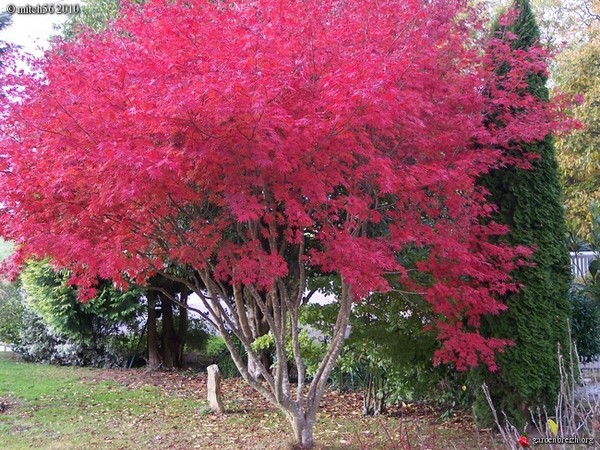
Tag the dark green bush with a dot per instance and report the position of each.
(37, 343)
(585, 322)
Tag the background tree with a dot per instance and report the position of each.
(529, 201)
(5, 21)
(565, 24)
(577, 72)
(94, 15)
(267, 155)
(167, 301)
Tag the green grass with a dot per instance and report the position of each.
(57, 407)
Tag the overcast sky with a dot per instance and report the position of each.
(32, 31)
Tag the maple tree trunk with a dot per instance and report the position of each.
(301, 403)
(265, 359)
(303, 430)
(154, 360)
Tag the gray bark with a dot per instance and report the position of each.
(303, 431)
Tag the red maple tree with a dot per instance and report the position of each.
(252, 143)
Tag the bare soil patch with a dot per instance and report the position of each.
(5, 405)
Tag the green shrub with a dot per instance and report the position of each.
(215, 346)
(585, 321)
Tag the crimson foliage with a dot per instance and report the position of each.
(225, 137)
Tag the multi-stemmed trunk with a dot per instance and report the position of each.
(301, 404)
(280, 306)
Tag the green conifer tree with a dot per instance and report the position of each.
(530, 203)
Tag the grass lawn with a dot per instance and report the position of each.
(50, 407)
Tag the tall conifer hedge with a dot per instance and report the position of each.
(529, 202)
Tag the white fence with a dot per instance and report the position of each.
(5, 348)
(580, 263)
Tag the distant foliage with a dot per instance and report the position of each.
(5, 21)
(6, 249)
(577, 72)
(12, 311)
(95, 15)
(216, 348)
(197, 336)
